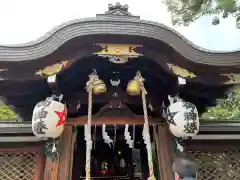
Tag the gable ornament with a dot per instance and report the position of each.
(118, 53)
(184, 73)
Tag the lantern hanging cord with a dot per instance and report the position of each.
(146, 134)
(93, 77)
(180, 147)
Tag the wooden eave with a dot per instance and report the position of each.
(116, 25)
(75, 41)
(205, 126)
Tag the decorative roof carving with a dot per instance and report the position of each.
(54, 69)
(184, 73)
(232, 78)
(118, 53)
(118, 9)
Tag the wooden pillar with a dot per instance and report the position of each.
(39, 169)
(66, 154)
(51, 169)
(164, 152)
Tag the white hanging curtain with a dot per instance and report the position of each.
(128, 137)
(106, 137)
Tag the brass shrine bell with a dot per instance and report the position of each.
(99, 87)
(134, 88)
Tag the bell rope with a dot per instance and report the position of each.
(146, 134)
(92, 77)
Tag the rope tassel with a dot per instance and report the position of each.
(92, 78)
(146, 134)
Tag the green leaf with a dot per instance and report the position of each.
(229, 109)
(6, 114)
(186, 11)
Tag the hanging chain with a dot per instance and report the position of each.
(146, 134)
(92, 78)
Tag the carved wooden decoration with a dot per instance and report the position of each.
(118, 9)
(118, 53)
(232, 78)
(184, 73)
(54, 69)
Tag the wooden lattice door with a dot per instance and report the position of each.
(218, 160)
(218, 165)
(21, 163)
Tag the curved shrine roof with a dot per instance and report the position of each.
(70, 48)
(116, 21)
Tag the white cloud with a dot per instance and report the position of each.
(26, 20)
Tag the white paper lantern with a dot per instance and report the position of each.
(49, 119)
(183, 119)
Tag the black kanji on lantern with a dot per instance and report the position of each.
(40, 115)
(38, 127)
(44, 104)
(190, 116)
(170, 117)
(190, 127)
(189, 106)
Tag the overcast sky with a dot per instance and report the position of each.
(26, 20)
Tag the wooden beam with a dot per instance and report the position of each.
(10, 139)
(51, 169)
(75, 97)
(113, 120)
(205, 126)
(82, 97)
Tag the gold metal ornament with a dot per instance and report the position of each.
(95, 84)
(232, 78)
(184, 73)
(54, 69)
(134, 88)
(118, 53)
(99, 87)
